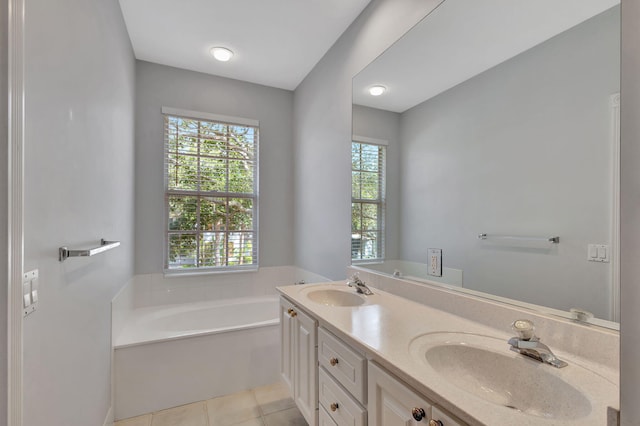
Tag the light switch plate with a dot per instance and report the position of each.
(598, 253)
(434, 267)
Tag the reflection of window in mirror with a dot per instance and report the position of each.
(367, 200)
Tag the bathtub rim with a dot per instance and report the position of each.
(139, 314)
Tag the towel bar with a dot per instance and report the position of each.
(554, 240)
(64, 253)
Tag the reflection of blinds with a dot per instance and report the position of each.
(368, 166)
(211, 191)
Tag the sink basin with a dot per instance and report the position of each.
(484, 367)
(331, 297)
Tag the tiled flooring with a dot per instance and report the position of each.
(264, 406)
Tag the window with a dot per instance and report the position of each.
(211, 191)
(367, 201)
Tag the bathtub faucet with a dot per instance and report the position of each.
(359, 285)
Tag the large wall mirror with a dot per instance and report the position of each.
(500, 126)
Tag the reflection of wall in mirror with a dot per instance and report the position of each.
(521, 149)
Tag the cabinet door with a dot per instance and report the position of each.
(287, 341)
(391, 402)
(305, 376)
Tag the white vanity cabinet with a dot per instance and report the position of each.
(393, 403)
(334, 385)
(299, 360)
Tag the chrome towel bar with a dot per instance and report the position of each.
(64, 253)
(554, 240)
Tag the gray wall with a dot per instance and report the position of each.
(322, 134)
(385, 125)
(78, 188)
(630, 215)
(3, 206)
(158, 86)
(521, 149)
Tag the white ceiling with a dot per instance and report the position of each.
(461, 39)
(276, 42)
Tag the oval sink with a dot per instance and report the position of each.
(332, 297)
(477, 365)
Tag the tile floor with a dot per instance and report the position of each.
(269, 405)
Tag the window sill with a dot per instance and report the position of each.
(359, 262)
(173, 273)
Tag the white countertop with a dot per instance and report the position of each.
(384, 327)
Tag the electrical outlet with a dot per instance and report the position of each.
(435, 262)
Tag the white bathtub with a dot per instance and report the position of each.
(175, 354)
(168, 322)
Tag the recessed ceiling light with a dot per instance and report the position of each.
(221, 53)
(377, 90)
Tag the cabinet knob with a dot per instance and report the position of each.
(433, 422)
(334, 406)
(333, 361)
(418, 414)
(293, 313)
(289, 311)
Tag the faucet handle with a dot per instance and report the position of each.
(524, 328)
(355, 279)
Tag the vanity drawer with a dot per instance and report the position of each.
(325, 419)
(339, 405)
(345, 365)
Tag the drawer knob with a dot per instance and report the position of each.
(333, 361)
(334, 406)
(433, 422)
(418, 414)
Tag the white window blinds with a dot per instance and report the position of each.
(211, 191)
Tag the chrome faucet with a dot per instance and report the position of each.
(359, 285)
(526, 343)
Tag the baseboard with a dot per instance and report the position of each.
(108, 420)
